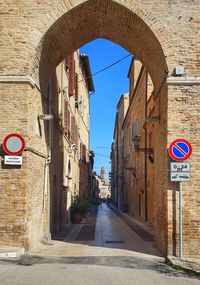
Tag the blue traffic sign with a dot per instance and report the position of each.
(180, 150)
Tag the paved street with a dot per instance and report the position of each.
(112, 238)
(138, 272)
(116, 256)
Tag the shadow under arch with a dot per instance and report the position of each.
(99, 19)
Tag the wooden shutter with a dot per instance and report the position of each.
(73, 129)
(76, 86)
(71, 75)
(66, 111)
(69, 125)
(76, 136)
(84, 153)
(81, 151)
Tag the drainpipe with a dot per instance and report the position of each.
(146, 151)
(47, 162)
(61, 117)
(45, 183)
(49, 122)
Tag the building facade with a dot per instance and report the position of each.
(138, 146)
(104, 186)
(69, 168)
(117, 155)
(133, 172)
(101, 187)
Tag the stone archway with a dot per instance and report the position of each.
(137, 31)
(113, 21)
(46, 32)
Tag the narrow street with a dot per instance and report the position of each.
(112, 237)
(117, 255)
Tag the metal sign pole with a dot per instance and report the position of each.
(180, 220)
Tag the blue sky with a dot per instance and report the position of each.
(109, 86)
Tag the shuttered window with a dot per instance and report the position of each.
(73, 129)
(69, 126)
(76, 87)
(83, 153)
(71, 79)
(76, 136)
(67, 120)
(66, 114)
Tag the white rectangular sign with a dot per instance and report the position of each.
(180, 166)
(180, 176)
(12, 160)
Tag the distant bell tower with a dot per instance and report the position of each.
(102, 173)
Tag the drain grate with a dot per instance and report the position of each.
(115, 241)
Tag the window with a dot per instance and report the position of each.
(73, 129)
(82, 152)
(71, 79)
(67, 118)
(136, 128)
(76, 86)
(76, 136)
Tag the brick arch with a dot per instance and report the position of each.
(132, 27)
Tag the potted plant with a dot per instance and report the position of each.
(78, 209)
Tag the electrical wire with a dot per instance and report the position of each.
(109, 66)
(99, 154)
(103, 69)
(101, 147)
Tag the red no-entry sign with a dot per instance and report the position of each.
(180, 150)
(13, 144)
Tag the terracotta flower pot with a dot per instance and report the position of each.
(76, 217)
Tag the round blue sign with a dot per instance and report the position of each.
(180, 150)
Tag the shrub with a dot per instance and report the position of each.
(80, 205)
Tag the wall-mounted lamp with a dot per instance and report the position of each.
(150, 158)
(152, 119)
(136, 142)
(72, 147)
(132, 169)
(78, 104)
(178, 71)
(46, 117)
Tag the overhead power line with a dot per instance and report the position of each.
(109, 66)
(101, 167)
(101, 147)
(101, 155)
(105, 68)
